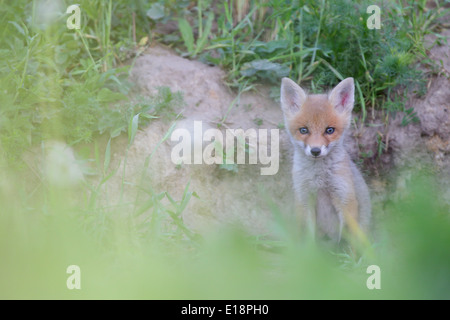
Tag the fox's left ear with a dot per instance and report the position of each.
(292, 97)
(342, 97)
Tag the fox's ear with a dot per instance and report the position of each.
(342, 97)
(292, 96)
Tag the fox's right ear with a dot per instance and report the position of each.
(292, 96)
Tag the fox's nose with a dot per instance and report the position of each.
(315, 152)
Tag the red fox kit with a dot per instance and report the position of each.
(316, 125)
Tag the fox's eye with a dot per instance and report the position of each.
(329, 130)
(303, 130)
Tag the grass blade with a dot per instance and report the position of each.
(107, 156)
(201, 42)
(132, 129)
(186, 34)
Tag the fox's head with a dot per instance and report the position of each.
(317, 122)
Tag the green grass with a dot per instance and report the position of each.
(71, 86)
(319, 42)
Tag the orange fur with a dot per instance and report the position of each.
(317, 114)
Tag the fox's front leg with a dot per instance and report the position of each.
(305, 212)
(347, 209)
(345, 202)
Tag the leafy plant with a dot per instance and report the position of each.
(317, 42)
(195, 47)
(410, 117)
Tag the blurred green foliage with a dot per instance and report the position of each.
(67, 84)
(121, 259)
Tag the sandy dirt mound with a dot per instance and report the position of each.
(243, 197)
